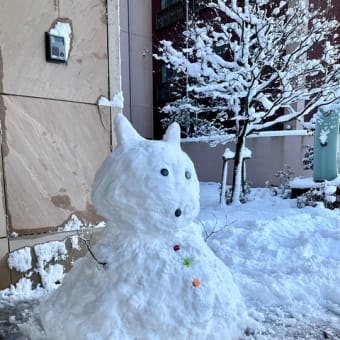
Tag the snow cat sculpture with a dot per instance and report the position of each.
(160, 279)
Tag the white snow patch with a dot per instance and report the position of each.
(76, 224)
(51, 275)
(224, 138)
(46, 252)
(308, 182)
(73, 224)
(246, 153)
(75, 242)
(323, 137)
(281, 257)
(284, 260)
(117, 101)
(228, 154)
(20, 260)
(22, 290)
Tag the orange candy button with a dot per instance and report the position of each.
(196, 282)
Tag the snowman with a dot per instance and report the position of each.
(157, 278)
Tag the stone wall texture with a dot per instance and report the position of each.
(54, 135)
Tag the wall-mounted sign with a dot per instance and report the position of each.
(55, 48)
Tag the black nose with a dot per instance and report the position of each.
(178, 212)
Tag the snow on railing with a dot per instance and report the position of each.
(216, 139)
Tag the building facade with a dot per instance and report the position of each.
(271, 151)
(136, 56)
(54, 134)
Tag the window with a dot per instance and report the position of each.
(167, 3)
(170, 15)
(199, 5)
(167, 88)
(167, 74)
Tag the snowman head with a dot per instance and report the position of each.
(148, 186)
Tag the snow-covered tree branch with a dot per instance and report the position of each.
(249, 66)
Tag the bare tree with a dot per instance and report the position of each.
(249, 66)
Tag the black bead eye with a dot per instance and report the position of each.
(165, 172)
(187, 174)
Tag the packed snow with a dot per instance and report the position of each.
(308, 182)
(157, 278)
(286, 261)
(50, 275)
(160, 274)
(21, 260)
(76, 224)
(117, 101)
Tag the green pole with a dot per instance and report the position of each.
(326, 144)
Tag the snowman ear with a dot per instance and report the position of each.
(125, 132)
(173, 134)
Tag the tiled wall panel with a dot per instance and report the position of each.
(54, 150)
(3, 225)
(5, 278)
(22, 41)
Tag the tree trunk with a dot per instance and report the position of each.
(238, 163)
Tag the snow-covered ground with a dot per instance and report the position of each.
(285, 261)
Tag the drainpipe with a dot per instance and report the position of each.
(187, 43)
(129, 56)
(113, 41)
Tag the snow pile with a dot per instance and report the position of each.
(282, 258)
(76, 224)
(160, 279)
(51, 275)
(20, 260)
(73, 224)
(23, 290)
(117, 101)
(75, 242)
(308, 182)
(228, 154)
(46, 255)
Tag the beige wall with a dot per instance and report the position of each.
(22, 27)
(54, 150)
(269, 155)
(5, 277)
(54, 135)
(136, 49)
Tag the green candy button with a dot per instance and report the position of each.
(187, 262)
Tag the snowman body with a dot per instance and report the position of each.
(160, 281)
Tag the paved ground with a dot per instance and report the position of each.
(283, 326)
(15, 317)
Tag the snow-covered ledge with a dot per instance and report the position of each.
(228, 138)
(281, 133)
(308, 182)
